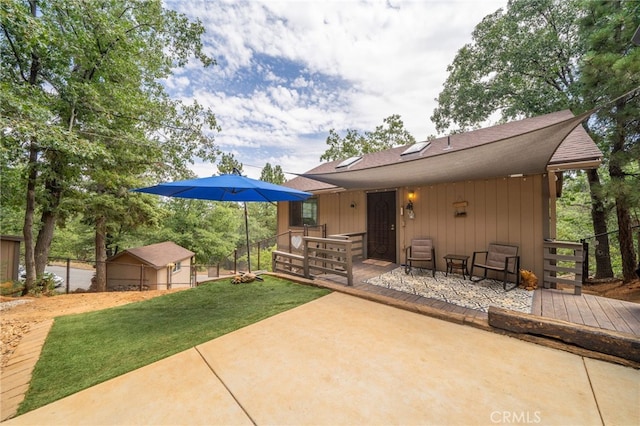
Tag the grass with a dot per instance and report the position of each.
(86, 349)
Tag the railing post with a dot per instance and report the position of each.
(258, 255)
(305, 261)
(365, 246)
(585, 260)
(349, 263)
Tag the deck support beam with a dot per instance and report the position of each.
(622, 345)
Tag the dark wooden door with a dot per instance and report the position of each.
(381, 225)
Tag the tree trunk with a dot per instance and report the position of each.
(617, 161)
(626, 242)
(599, 218)
(101, 254)
(27, 229)
(43, 243)
(30, 209)
(48, 219)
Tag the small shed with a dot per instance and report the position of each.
(9, 257)
(160, 266)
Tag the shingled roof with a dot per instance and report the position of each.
(535, 145)
(158, 255)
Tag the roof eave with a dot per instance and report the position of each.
(575, 165)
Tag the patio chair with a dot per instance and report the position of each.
(421, 250)
(501, 258)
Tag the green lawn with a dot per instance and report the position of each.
(86, 349)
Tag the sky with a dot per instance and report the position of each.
(289, 71)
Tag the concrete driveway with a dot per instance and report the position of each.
(344, 360)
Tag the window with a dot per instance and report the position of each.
(349, 162)
(177, 266)
(303, 212)
(416, 147)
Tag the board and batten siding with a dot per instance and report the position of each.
(513, 210)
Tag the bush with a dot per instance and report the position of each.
(11, 288)
(46, 286)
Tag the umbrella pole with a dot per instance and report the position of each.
(246, 227)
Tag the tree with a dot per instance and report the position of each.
(272, 174)
(391, 133)
(210, 229)
(81, 91)
(228, 164)
(523, 62)
(266, 214)
(611, 66)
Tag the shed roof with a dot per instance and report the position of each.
(158, 255)
(11, 238)
(535, 145)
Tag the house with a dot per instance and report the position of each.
(9, 257)
(160, 266)
(466, 190)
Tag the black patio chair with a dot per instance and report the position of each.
(421, 250)
(501, 258)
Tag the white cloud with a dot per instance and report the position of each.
(385, 60)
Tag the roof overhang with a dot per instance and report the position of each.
(522, 154)
(581, 165)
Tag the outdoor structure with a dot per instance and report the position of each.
(9, 257)
(465, 191)
(159, 266)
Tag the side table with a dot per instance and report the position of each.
(457, 261)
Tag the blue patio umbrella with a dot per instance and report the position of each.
(229, 187)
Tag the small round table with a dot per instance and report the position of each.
(457, 261)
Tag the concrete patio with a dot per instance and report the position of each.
(345, 360)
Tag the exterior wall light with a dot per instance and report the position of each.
(409, 207)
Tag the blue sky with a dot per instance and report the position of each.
(289, 71)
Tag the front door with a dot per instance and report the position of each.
(381, 225)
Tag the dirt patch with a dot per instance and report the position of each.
(614, 289)
(18, 315)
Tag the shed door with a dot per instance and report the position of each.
(381, 225)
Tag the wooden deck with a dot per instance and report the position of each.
(584, 309)
(587, 309)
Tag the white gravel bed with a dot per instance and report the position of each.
(456, 290)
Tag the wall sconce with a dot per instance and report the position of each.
(409, 207)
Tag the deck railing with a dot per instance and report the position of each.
(564, 258)
(359, 240)
(319, 256)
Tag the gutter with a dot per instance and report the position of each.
(579, 165)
